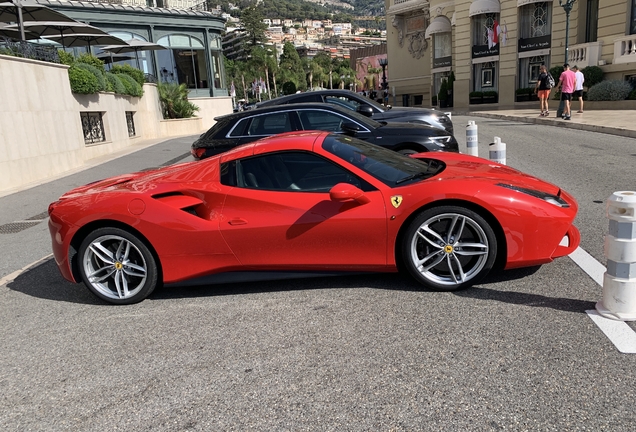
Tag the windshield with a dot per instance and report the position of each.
(391, 168)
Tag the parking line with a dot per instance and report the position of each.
(618, 332)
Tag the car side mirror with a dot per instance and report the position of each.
(350, 128)
(365, 110)
(345, 192)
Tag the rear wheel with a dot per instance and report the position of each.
(117, 266)
(448, 248)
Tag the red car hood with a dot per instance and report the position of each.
(466, 167)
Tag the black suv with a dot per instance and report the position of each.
(246, 126)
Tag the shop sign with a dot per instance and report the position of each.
(442, 62)
(535, 43)
(484, 51)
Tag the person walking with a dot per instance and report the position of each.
(567, 80)
(542, 89)
(578, 87)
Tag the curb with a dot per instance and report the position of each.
(556, 122)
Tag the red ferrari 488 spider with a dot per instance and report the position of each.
(304, 204)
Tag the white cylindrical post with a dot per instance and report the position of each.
(497, 151)
(471, 139)
(619, 281)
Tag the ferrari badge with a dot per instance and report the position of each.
(396, 200)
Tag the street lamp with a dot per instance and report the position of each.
(567, 6)
(384, 62)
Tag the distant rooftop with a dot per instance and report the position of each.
(132, 6)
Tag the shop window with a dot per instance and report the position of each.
(183, 62)
(529, 70)
(485, 76)
(130, 59)
(483, 28)
(442, 45)
(535, 20)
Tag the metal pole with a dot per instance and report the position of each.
(18, 5)
(567, 7)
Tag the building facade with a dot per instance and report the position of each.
(493, 46)
(192, 38)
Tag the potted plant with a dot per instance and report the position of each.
(442, 96)
(523, 94)
(490, 96)
(475, 97)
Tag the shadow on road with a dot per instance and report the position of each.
(45, 282)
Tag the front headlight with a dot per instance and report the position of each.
(441, 141)
(552, 199)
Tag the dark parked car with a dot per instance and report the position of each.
(247, 126)
(367, 107)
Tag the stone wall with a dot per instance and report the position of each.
(41, 132)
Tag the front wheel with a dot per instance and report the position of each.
(448, 248)
(117, 266)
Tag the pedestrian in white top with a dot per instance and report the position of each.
(578, 87)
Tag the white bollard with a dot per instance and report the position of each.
(471, 139)
(619, 281)
(497, 151)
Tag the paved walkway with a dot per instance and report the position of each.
(622, 123)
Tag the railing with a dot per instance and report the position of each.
(625, 49)
(93, 127)
(587, 54)
(150, 78)
(17, 48)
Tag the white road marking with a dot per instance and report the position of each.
(618, 332)
(589, 265)
(621, 335)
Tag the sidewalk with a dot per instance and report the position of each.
(619, 122)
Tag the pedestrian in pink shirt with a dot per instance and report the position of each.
(566, 84)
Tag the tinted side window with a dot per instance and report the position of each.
(270, 124)
(241, 127)
(306, 98)
(321, 120)
(290, 172)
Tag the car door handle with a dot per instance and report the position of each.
(237, 221)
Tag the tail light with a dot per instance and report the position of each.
(198, 152)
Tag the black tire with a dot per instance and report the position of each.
(117, 266)
(437, 259)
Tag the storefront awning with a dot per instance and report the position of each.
(440, 24)
(526, 2)
(479, 7)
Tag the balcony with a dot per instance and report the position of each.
(399, 7)
(625, 49)
(586, 54)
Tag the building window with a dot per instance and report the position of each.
(442, 45)
(632, 27)
(485, 76)
(535, 20)
(529, 70)
(437, 81)
(93, 127)
(130, 121)
(591, 20)
(184, 62)
(144, 57)
(482, 28)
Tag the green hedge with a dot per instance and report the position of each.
(132, 87)
(136, 74)
(115, 84)
(99, 75)
(82, 80)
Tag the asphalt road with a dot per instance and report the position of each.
(517, 352)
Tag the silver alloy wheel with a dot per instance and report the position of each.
(449, 249)
(115, 267)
